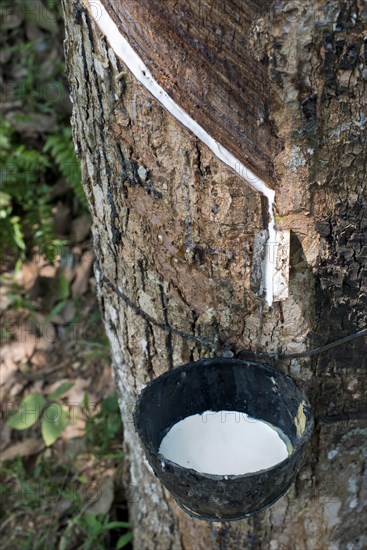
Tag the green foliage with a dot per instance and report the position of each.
(45, 483)
(39, 491)
(29, 412)
(10, 225)
(51, 481)
(48, 491)
(55, 7)
(63, 287)
(25, 209)
(42, 87)
(26, 218)
(54, 421)
(61, 148)
(96, 527)
(124, 540)
(102, 428)
(54, 418)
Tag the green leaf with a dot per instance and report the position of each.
(60, 390)
(54, 421)
(29, 412)
(113, 424)
(94, 525)
(55, 311)
(82, 479)
(124, 540)
(64, 287)
(17, 232)
(90, 519)
(85, 400)
(110, 404)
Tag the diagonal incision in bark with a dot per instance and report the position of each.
(141, 72)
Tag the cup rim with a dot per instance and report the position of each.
(297, 447)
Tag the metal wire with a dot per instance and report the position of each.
(310, 353)
(211, 345)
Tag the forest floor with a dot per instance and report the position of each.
(61, 454)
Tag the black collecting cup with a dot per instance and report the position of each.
(259, 390)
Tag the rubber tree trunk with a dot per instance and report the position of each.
(281, 85)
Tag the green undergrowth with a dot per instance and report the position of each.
(54, 494)
(27, 177)
(51, 495)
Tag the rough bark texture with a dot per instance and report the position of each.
(174, 229)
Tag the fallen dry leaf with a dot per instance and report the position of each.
(47, 337)
(16, 389)
(39, 358)
(7, 368)
(29, 274)
(62, 219)
(28, 447)
(82, 274)
(66, 315)
(5, 431)
(103, 498)
(5, 300)
(18, 351)
(48, 271)
(80, 228)
(75, 394)
(76, 428)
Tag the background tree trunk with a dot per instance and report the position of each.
(174, 229)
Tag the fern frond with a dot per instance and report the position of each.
(25, 210)
(61, 148)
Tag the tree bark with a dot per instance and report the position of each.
(174, 230)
